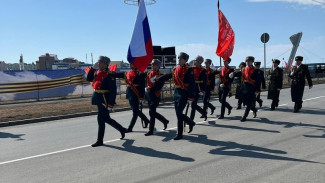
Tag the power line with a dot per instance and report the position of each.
(319, 2)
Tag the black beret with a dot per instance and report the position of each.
(184, 56)
(250, 58)
(257, 63)
(299, 58)
(276, 61)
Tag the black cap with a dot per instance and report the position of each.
(276, 61)
(250, 58)
(257, 63)
(208, 60)
(184, 56)
(299, 58)
(242, 64)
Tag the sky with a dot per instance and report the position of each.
(76, 28)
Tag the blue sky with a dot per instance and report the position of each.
(74, 28)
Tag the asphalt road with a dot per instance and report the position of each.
(277, 146)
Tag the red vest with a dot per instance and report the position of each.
(129, 77)
(179, 73)
(149, 83)
(247, 73)
(99, 77)
(197, 72)
(208, 72)
(224, 72)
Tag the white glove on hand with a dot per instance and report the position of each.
(96, 66)
(231, 75)
(109, 109)
(219, 69)
(291, 74)
(221, 85)
(310, 87)
(201, 93)
(153, 79)
(146, 89)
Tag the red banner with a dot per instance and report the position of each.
(226, 37)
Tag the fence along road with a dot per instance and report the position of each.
(279, 146)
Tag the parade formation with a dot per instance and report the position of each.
(190, 84)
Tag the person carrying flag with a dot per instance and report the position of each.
(154, 86)
(135, 81)
(104, 95)
(226, 78)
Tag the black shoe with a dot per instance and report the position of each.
(221, 117)
(238, 107)
(205, 117)
(229, 110)
(190, 128)
(243, 119)
(98, 143)
(165, 125)
(212, 111)
(178, 137)
(296, 110)
(272, 108)
(123, 133)
(129, 130)
(149, 133)
(254, 114)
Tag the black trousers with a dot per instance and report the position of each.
(104, 117)
(134, 103)
(275, 100)
(153, 104)
(258, 99)
(223, 93)
(250, 106)
(195, 108)
(180, 104)
(206, 102)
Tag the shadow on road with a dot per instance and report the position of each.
(146, 151)
(214, 124)
(10, 135)
(234, 149)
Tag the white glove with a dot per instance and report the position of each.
(189, 102)
(109, 109)
(310, 87)
(231, 75)
(219, 69)
(146, 89)
(96, 66)
(153, 79)
(221, 85)
(291, 74)
(201, 93)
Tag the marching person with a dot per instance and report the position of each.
(153, 95)
(262, 79)
(238, 79)
(200, 85)
(275, 84)
(184, 93)
(135, 91)
(210, 84)
(298, 74)
(250, 87)
(226, 78)
(104, 95)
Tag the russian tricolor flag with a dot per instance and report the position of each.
(140, 52)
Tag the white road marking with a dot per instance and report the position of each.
(80, 147)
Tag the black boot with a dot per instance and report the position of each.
(191, 127)
(149, 133)
(229, 110)
(178, 137)
(243, 119)
(97, 143)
